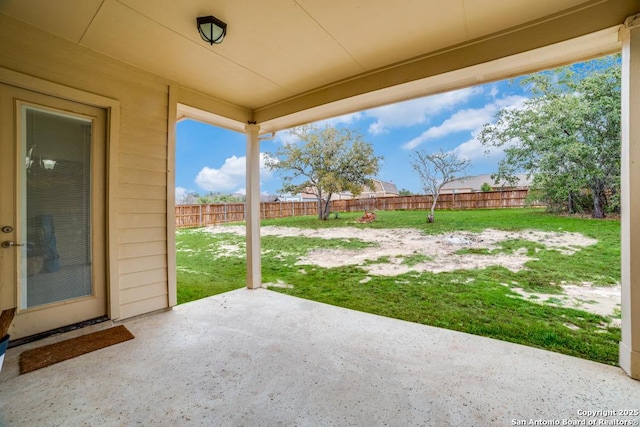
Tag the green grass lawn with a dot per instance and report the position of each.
(477, 301)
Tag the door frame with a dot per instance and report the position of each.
(112, 108)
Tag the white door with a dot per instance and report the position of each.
(52, 211)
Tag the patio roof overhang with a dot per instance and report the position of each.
(289, 62)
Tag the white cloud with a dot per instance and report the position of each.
(402, 114)
(493, 92)
(473, 150)
(470, 150)
(377, 128)
(287, 138)
(230, 176)
(346, 119)
(181, 193)
(471, 119)
(417, 111)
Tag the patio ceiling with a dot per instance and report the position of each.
(285, 62)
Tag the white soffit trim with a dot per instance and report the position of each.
(188, 112)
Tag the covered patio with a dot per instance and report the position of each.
(252, 356)
(260, 358)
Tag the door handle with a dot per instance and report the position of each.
(8, 244)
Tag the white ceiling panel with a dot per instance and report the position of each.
(142, 42)
(491, 16)
(277, 39)
(381, 33)
(53, 15)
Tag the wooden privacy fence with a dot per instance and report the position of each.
(480, 200)
(200, 215)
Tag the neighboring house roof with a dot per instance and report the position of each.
(387, 187)
(268, 198)
(299, 197)
(309, 196)
(381, 188)
(474, 183)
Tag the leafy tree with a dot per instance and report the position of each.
(405, 192)
(485, 187)
(189, 199)
(326, 161)
(437, 169)
(567, 135)
(213, 198)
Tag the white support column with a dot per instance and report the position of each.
(630, 187)
(172, 284)
(252, 216)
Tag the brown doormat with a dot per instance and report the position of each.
(41, 357)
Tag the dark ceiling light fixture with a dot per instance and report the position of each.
(212, 30)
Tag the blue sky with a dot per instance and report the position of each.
(211, 159)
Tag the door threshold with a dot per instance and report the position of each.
(63, 329)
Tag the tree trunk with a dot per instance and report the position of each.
(599, 200)
(570, 204)
(616, 208)
(319, 206)
(431, 217)
(326, 209)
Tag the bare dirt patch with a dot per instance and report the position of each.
(440, 253)
(604, 301)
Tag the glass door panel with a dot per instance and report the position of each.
(55, 207)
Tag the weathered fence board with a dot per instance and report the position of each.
(200, 215)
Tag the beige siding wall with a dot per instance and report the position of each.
(141, 157)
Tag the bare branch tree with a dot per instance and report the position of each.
(437, 169)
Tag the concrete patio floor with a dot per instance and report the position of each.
(260, 358)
